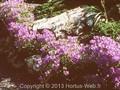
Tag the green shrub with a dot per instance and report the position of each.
(49, 9)
(110, 28)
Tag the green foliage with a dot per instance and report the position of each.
(24, 14)
(90, 9)
(103, 25)
(65, 61)
(49, 9)
(110, 28)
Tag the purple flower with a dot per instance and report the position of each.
(13, 10)
(9, 10)
(115, 75)
(105, 49)
(21, 32)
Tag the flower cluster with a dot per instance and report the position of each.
(51, 50)
(106, 53)
(16, 13)
(9, 10)
(105, 49)
(15, 10)
(115, 75)
(55, 52)
(70, 47)
(21, 32)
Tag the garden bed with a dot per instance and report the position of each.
(41, 44)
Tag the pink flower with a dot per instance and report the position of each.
(66, 73)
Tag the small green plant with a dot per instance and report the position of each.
(110, 28)
(49, 9)
(104, 25)
(91, 9)
(65, 60)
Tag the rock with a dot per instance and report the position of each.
(6, 84)
(66, 21)
(118, 38)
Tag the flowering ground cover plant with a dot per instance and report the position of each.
(52, 57)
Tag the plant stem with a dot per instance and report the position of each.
(105, 12)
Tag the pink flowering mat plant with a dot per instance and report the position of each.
(57, 60)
